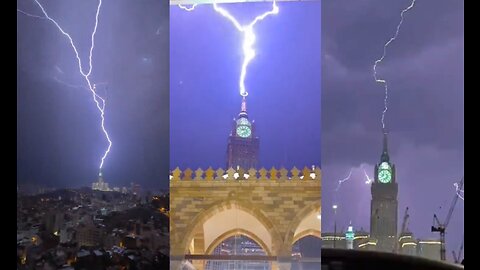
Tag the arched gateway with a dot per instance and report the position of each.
(273, 208)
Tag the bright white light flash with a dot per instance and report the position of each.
(460, 192)
(99, 101)
(383, 81)
(248, 37)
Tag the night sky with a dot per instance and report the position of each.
(424, 68)
(60, 142)
(283, 83)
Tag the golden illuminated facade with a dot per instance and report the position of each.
(275, 208)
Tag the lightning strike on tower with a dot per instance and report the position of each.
(383, 81)
(99, 101)
(248, 37)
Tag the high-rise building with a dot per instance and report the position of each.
(429, 249)
(243, 145)
(88, 234)
(384, 205)
(66, 235)
(53, 221)
(100, 184)
(407, 244)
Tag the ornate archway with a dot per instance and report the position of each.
(227, 216)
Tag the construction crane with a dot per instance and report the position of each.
(404, 228)
(458, 257)
(441, 227)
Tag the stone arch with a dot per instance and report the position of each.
(224, 205)
(303, 234)
(234, 232)
(307, 212)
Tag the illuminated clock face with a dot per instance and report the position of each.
(244, 131)
(384, 176)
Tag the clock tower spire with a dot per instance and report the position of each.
(384, 204)
(243, 145)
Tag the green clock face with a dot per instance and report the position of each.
(244, 131)
(384, 176)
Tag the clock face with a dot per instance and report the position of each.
(384, 176)
(244, 131)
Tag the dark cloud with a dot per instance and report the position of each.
(424, 70)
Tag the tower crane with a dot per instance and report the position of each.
(458, 257)
(404, 227)
(441, 227)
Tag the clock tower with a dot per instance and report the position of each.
(384, 204)
(243, 145)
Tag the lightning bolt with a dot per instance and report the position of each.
(29, 14)
(341, 181)
(383, 81)
(460, 192)
(369, 180)
(248, 37)
(99, 101)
